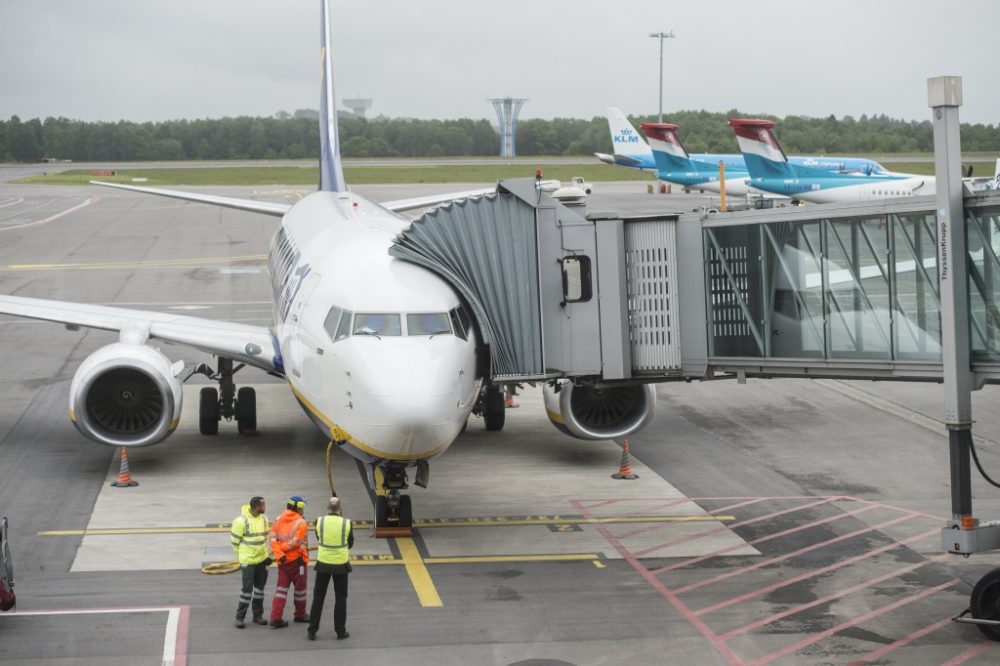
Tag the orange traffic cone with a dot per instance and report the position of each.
(124, 476)
(625, 469)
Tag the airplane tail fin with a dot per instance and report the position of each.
(668, 151)
(626, 141)
(996, 176)
(764, 157)
(331, 170)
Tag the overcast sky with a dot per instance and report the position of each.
(141, 60)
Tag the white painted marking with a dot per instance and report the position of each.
(170, 636)
(53, 218)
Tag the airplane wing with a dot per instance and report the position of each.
(253, 345)
(251, 205)
(433, 199)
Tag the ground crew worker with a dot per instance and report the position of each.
(290, 547)
(335, 539)
(249, 538)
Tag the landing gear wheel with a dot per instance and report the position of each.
(208, 411)
(985, 603)
(246, 411)
(381, 511)
(494, 411)
(405, 511)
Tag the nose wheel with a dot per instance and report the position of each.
(394, 509)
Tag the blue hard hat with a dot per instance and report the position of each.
(296, 502)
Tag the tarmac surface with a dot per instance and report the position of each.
(776, 522)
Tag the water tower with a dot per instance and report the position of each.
(358, 105)
(507, 109)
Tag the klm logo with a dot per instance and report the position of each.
(626, 136)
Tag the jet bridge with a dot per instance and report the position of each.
(611, 302)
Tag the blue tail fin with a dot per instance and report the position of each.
(669, 152)
(331, 170)
(764, 157)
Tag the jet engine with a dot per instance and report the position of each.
(591, 411)
(126, 395)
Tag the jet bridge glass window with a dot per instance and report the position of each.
(377, 323)
(457, 325)
(576, 279)
(427, 323)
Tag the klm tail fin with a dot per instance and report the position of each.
(331, 170)
(626, 141)
(668, 151)
(764, 157)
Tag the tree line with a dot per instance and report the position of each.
(290, 136)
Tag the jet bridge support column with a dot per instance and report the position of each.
(945, 96)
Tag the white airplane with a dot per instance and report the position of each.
(382, 353)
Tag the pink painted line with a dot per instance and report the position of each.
(969, 654)
(827, 599)
(902, 642)
(52, 218)
(815, 638)
(815, 572)
(795, 553)
(896, 508)
(720, 510)
(726, 528)
(724, 650)
(183, 625)
(769, 537)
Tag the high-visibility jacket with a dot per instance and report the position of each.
(249, 537)
(290, 537)
(331, 534)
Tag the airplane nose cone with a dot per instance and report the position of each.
(411, 405)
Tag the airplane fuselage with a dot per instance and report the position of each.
(378, 351)
(840, 189)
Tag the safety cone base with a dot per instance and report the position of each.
(628, 476)
(123, 484)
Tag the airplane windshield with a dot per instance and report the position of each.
(427, 323)
(377, 323)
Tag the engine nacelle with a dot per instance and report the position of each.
(126, 395)
(588, 411)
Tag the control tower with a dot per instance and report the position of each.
(507, 109)
(358, 105)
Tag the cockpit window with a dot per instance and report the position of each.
(377, 323)
(427, 323)
(338, 323)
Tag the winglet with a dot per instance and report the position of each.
(331, 170)
(764, 157)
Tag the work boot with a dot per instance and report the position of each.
(260, 620)
(278, 624)
(342, 636)
(311, 635)
(240, 623)
(303, 618)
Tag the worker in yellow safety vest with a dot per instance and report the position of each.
(290, 546)
(248, 536)
(335, 540)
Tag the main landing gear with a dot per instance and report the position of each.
(226, 402)
(393, 508)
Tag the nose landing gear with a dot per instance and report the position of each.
(394, 509)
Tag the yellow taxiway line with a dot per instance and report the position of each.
(486, 521)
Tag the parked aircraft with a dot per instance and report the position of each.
(382, 354)
(771, 171)
(631, 151)
(675, 165)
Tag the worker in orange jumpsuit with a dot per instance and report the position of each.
(290, 547)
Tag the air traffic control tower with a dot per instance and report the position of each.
(507, 109)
